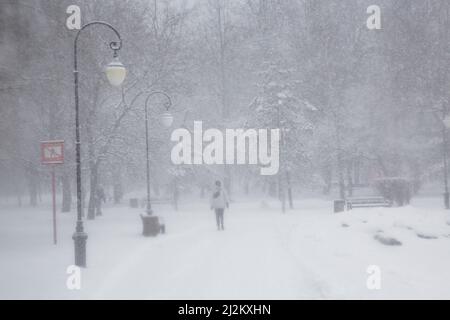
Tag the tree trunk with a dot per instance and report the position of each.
(382, 166)
(327, 174)
(118, 192)
(17, 189)
(227, 179)
(340, 168)
(358, 171)
(117, 185)
(281, 193)
(247, 186)
(225, 103)
(339, 158)
(289, 189)
(93, 164)
(349, 179)
(66, 193)
(176, 193)
(39, 192)
(93, 181)
(19, 196)
(272, 190)
(32, 186)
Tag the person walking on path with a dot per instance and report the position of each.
(219, 202)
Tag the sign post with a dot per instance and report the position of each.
(52, 153)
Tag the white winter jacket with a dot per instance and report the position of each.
(219, 199)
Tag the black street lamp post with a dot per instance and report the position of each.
(115, 73)
(151, 222)
(167, 121)
(446, 125)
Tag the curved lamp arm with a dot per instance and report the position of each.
(114, 45)
(167, 105)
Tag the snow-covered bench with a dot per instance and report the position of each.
(367, 202)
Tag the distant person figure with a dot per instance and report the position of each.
(219, 201)
(99, 198)
(118, 193)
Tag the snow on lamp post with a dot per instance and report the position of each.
(115, 73)
(151, 222)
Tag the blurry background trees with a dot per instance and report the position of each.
(355, 105)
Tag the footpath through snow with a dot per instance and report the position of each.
(262, 254)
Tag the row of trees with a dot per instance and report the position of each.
(354, 104)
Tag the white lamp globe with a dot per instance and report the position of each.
(115, 72)
(166, 119)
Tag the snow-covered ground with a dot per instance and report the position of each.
(306, 253)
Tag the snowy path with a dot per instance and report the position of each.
(308, 253)
(248, 260)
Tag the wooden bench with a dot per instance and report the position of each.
(367, 202)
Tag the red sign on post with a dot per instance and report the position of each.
(52, 152)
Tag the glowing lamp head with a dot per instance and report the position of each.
(115, 72)
(166, 119)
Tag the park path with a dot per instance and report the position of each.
(262, 254)
(249, 260)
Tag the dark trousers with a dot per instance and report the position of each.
(219, 218)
